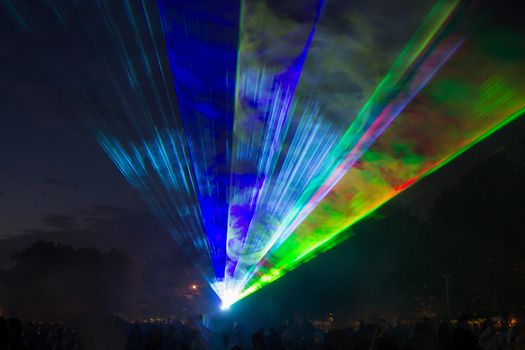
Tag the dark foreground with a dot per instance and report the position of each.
(465, 333)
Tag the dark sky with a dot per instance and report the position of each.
(51, 164)
(55, 178)
(48, 167)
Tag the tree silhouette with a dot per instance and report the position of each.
(57, 281)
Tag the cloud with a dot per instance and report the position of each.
(61, 221)
(135, 231)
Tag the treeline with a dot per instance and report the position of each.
(53, 281)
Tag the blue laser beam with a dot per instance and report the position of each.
(202, 39)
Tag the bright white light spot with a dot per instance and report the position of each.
(229, 294)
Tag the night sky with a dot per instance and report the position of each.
(52, 166)
(57, 183)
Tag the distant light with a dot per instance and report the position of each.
(194, 286)
(225, 307)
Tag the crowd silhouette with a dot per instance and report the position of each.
(37, 336)
(494, 333)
